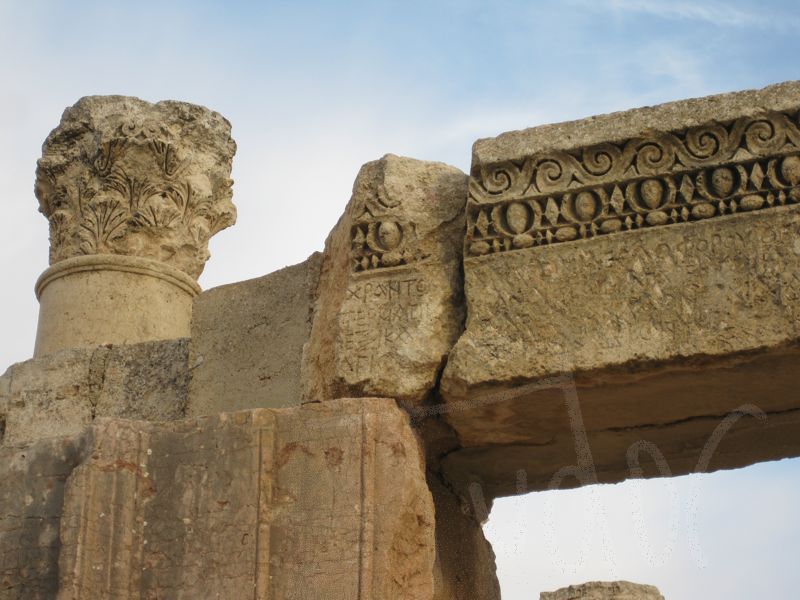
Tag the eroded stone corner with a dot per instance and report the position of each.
(465, 562)
(390, 302)
(33, 478)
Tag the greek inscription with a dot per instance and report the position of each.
(389, 291)
(377, 317)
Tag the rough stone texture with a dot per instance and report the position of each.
(247, 341)
(31, 500)
(123, 176)
(715, 288)
(465, 562)
(60, 394)
(389, 306)
(133, 192)
(684, 441)
(631, 283)
(597, 590)
(322, 501)
(663, 329)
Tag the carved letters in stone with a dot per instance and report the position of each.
(380, 315)
(703, 172)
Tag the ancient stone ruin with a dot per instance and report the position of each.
(598, 300)
(597, 590)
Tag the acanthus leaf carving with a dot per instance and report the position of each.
(123, 176)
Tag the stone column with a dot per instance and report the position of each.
(133, 192)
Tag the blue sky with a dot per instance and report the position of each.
(315, 89)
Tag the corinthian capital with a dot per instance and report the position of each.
(123, 176)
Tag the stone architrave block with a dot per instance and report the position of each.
(389, 304)
(650, 259)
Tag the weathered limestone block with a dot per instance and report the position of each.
(601, 590)
(247, 341)
(723, 429)
(323, 501)
(60, 394)
(465, 562)
(389, 302)
(653, 256)
(133, 192)
(32, 482)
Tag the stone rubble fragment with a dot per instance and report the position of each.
(601, 590)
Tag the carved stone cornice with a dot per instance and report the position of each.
(713, 170)
(123, 176)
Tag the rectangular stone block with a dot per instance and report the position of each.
(32, 480)
(653, 256)
(60, 394)
(389, 305)
(247, 341)
(322, 501)
(465, 562)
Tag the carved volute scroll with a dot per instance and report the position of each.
(122, 176)
(716, 169)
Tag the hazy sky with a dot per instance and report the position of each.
(315, 89)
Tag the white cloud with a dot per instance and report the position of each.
(714, 13)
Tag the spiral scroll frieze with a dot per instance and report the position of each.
(716, 169)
